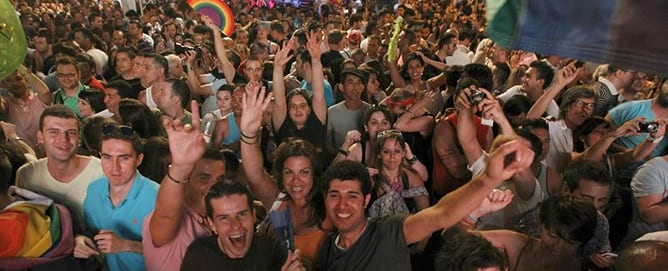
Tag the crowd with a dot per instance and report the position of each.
(140, 137)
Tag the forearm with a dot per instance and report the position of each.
(436, 64)
(397, 80)
(540, 107)
(596, 151)
(643, 150)
(169, 204)
(133, 246)
(221, 53)
(318, 85)
(466, 133)
(655, 213)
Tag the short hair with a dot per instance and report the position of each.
(156, 159)
(589, 170)
(122, 132)
(536, 145)
(94, 97)
(226, 188)
(130, 51)
(452, 75)
(348, 170)
(159, 61)
(586, 128)
(502, 71)
(257, 48)
(180, 89)
(67, 61)
(517, 105)
(569, 217)
(572, 95)
(335, 36)
(65, 48)
(84, 58)
(543, 71)
(59, 111)
(479, 72)
(446, 38)
(123, 88)
(643, 255)
(465, 251)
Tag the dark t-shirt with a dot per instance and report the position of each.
(381, 246)
(313, 131)
(204, 254)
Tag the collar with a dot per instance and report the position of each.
(338, 237)
(611, 87)
(135, 188)
(81, 87)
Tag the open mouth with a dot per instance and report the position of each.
(238, 240)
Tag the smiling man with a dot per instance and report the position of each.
(117, 203)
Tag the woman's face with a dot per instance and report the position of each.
(377, 122)
(391, 154)
(85, 108)
(224, 100)
(415, 69)
(298, 177)
(372, 85)
(298, 109)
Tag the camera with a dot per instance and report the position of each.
(476, 97)
(648, 127)
(181, 49)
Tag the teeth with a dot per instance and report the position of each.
(343, 215)
(297, 189)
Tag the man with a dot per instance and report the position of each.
(137, 38)
(179, 216)
(63, 175)
(172, 98)
(534, 82)
(154, 69)
(235, 246)
(42, 57)
(119, 39)
(577, 104)
(87, 71)
(332, 59)
(125, 68)
(117, 203)
(447, 45)
(609, 86)
(23, 108)
(68, 74)
(345, 116)
(85, 38)
(95, 21)
(382, 243)
(303, 67)
(175, 68)
(169, 31)
(114, 91)
(277, 33)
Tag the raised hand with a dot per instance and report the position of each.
(496, 200)
(209, 23)
(352, 137)
(186, 142)
(629, 128)
(568, 73)
(282, 57)
(313, 45)
(509, 158)
(253, 104)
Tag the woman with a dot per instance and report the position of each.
(361, 148)
(296, 172)
(395, 175)
(91, 101)
(410, 78)
(138, 116)
(224, 101)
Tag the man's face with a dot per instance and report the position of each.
(233, 221)
(119, 161)
(60, 138)
(241, 37)
(237, 97)
(97, 23)
(530, 81)
(580, 110)
(138, 68)
(68, 76)
(345, 205)
(119, 39)
(253, 70)
(597, 194)
(205, 174)
(134, 31)
(373, 46)
(170, 31)
(41, 45)
(123, 62)
(165, 99)
(111, 100)
(352, 88)
(81, 40)
(175, 69)
(152, 72)
(627, 78)
(15, 83)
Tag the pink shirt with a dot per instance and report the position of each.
(170, 256)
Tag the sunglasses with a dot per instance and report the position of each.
(124, 130)
(388, 133)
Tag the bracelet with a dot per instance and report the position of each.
(175, 180)
(413, 160)
(471, 220)
(654, 140)
(246, 136)
(248, 142)
(344, 152)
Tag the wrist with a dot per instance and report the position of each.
(413, 160)
(344, 152)
(653, 139)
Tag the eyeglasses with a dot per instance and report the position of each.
(123, 130)
(388, 133)
(581, 104)
(66, 75)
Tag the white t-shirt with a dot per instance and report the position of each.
(552, 108)
(561, 145)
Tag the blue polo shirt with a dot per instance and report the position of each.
(329, 93)
(125, 220)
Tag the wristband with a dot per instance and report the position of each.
(413, 160)
(344, 152)
(175, 180)
(654, 140)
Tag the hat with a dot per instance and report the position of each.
(356, 72)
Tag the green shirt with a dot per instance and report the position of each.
(70, 102)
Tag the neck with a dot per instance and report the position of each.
(24, 95)
(128, 75)
(347, 239)
(118, 193)
(390, 172)
(63, 171)
(659, 111)
(534, 95)
(71, 91)
(353, 105)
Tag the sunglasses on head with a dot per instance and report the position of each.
(390, 132)
(124, 130)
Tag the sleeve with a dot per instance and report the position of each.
(553, 109)
(649, 179)
(394, 228)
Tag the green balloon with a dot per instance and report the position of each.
(13, 45)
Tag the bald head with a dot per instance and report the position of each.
(643, 255)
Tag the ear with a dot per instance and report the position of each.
(367, 198)
(140, 158)
(40, 138)
(212, 226)
(339, 86)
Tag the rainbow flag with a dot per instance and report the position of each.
(628, 33)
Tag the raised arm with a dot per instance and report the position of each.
(280, 104)
(596, 151)
(254, 104)
(466, 130)
(564, 77)
(414, 120)
(395, 75)
(318, 99)
(221, 51)
(456, 205)
(43, 92)
(187, 146)
(642, 150)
